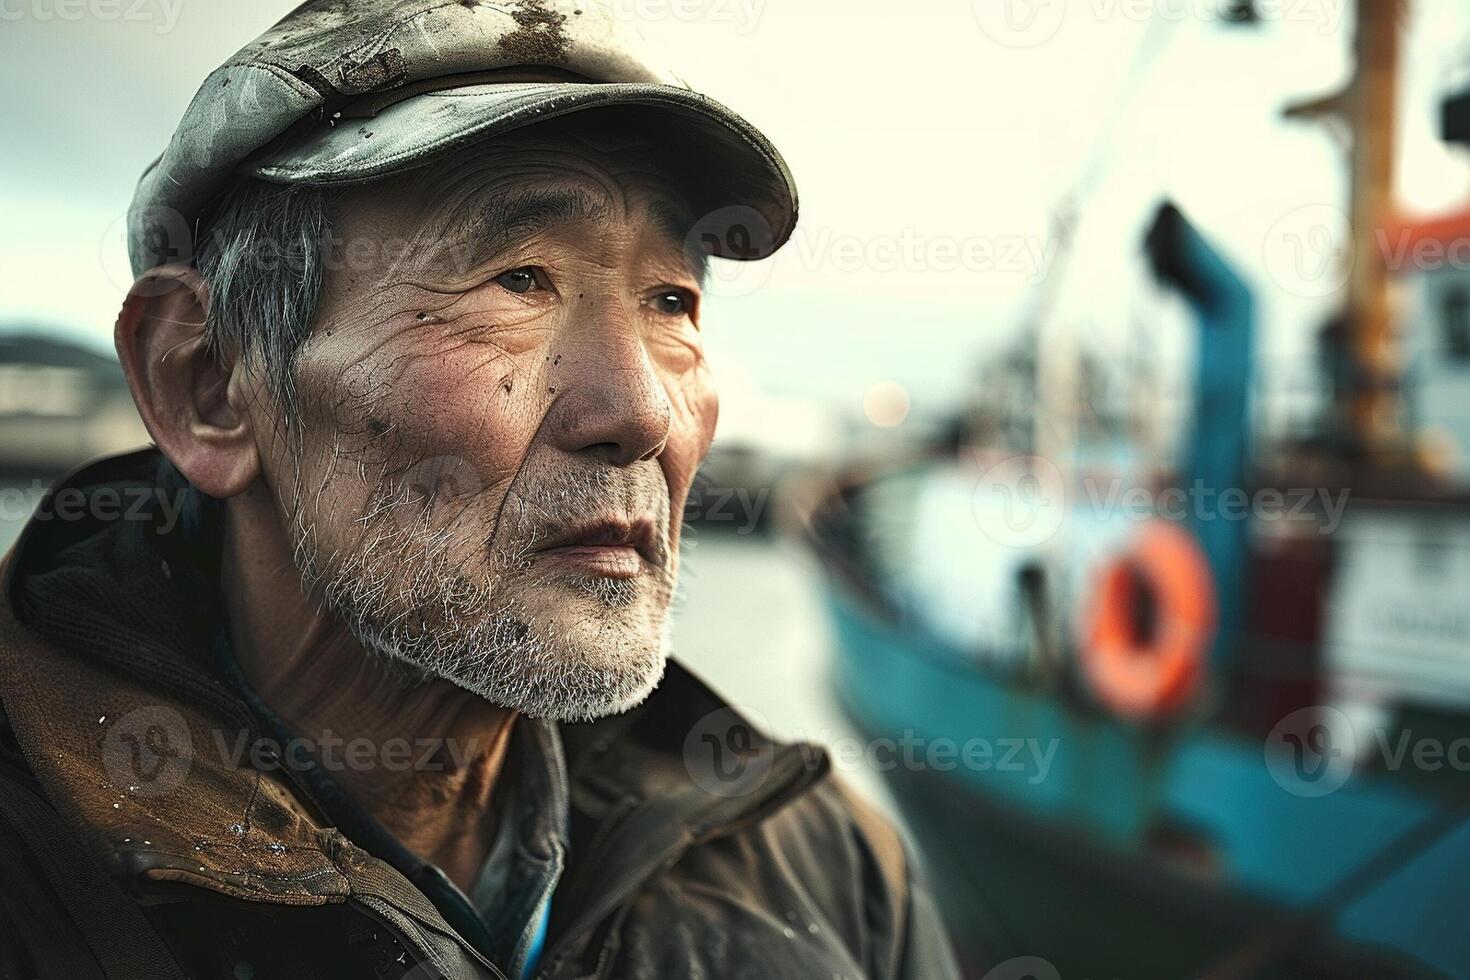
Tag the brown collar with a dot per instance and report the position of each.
(143, 779)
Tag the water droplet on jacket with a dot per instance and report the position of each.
(117, 806)
(813, 928)
(789, 932)
(102, 719)
(238, 829)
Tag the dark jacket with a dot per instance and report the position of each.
(761, 867)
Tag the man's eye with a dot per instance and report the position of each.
(521, 280)
(671, 302)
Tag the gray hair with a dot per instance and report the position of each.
(264, 254)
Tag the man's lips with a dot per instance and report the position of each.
(613, 548)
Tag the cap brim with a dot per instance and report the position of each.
(732, 174)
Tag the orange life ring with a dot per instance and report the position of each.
(1151, 622)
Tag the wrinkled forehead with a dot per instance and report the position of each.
(585, 183)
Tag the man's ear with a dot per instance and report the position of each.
(192, 404)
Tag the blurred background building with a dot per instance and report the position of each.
(1093, 472)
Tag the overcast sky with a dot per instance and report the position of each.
(915, 130)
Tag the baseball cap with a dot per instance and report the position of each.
(347, 91)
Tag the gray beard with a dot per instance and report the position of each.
(505, 663)
(404, 595)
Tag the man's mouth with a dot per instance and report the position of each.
(609, 548)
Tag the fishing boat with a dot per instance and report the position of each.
(1205, 716)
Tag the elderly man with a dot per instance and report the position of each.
(362, 672)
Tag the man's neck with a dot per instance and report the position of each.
(368, 720)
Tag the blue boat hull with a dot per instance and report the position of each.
(1100, 887)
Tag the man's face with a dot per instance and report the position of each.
(504, 401)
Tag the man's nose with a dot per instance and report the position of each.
(608, 399)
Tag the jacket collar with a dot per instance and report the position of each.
(105, 678)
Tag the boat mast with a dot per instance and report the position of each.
(1369, 410)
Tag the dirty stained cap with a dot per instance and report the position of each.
(346, 91)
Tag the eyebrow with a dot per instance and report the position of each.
(508, 216)
(504, 216)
